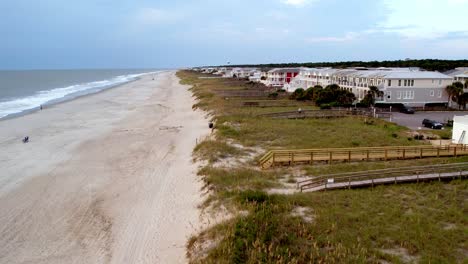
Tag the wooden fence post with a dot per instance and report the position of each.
(420, 153)
(438, 151)
(331, 157)
(349, 156)
(367, 155)
(404, 156)
(455, 151)
(311, 157)
(385, 154)
(274, 160)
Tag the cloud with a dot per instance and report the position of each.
(156, 16)
(297, 3)
(425, 19)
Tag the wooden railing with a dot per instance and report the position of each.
(303, 156)
(385, 176)
(325, 114)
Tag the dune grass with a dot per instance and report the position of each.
(423, 222)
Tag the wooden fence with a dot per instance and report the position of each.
(325, 114)
(310, 156)
(385, 176)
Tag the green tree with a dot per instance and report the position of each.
(458, 95)
(372, 94)
(309, 93)
(450, 89)
(298, 94)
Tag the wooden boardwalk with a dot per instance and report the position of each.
(386, 176)
(311, 156)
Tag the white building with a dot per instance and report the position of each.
(239, 72)
(460, 129)
(280, 77)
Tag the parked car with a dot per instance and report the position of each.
(407, 110)
(432, 124)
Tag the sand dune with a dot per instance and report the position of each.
(107, 178)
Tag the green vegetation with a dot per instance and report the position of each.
(214, 150)
(331, 95)
(423, 222)
(416, 222)
(456, 94)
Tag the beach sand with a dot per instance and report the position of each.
(106, 178)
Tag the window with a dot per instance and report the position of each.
(406, 83)
(408, 95)
(389, 82)
(399, 82)
(432, 93)
(440, 82)
(412, 82)
(398, 94)
(439, 94)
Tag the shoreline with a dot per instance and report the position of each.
(111, 183)
(58, 101)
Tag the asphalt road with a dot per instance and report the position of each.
(414, 121)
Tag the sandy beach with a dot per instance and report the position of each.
(106, 178)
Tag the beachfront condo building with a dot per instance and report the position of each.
(281, 76)
(409, 86)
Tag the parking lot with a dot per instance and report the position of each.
(414, 121)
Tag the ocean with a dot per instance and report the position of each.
(23, 91)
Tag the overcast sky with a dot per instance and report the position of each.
(177, 33)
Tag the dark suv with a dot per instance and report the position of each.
(432, 124)
(406, 109)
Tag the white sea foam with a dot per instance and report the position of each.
(19, 105)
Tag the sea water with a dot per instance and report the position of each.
(23, 91)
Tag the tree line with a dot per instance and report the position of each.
(426, 64)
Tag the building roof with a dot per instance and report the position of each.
(458, 72)
(283, 70)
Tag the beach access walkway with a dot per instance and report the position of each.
(385, 176)
(329, 155)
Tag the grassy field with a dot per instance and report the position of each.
(424, 222)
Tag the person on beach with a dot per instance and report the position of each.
(41, 107)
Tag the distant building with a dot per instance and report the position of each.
(281, 76)
(459, 74)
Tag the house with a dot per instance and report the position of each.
(459, 74)
(414, 88)
(239, 72)
(256, 76)
(279, 77)
(409, 86)
(460, 128)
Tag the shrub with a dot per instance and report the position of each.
(250, 196)
(325, 106)
(273, 95)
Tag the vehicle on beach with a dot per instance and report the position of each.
(432, 124)
(407, 110)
